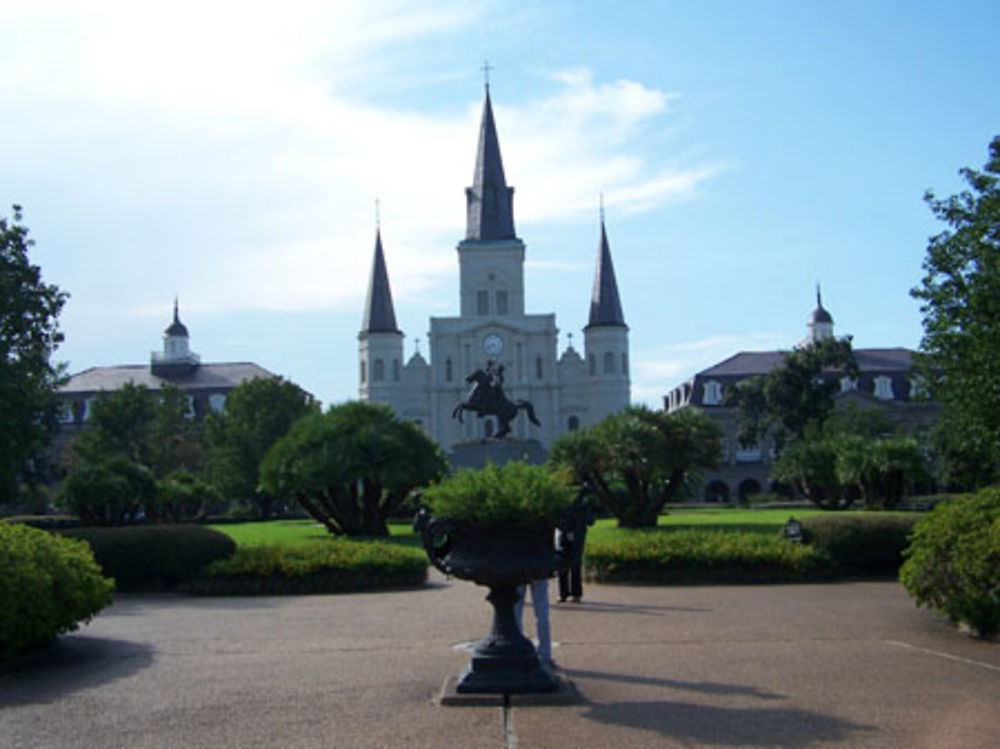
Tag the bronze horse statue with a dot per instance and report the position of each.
(487, 398)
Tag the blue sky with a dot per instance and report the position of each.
(233, 156)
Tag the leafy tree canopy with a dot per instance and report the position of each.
(29, 334)
(638, 459)
(960, 350)
(794, 396)
(257, 413)
(352, 467)
(153, 431)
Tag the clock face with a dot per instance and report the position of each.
(493, 345)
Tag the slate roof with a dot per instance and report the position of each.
(380, 315)
(605, 304)
(750, 363)
(490, 202)
(204, 377)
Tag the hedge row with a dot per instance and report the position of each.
(48, 586)
(335, 567)
(150, 557)
(692, 556)
(871, 544)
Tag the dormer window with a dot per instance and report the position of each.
(712, 393)
(848, 383)
(883, 387)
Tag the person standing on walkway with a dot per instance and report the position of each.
(540, 605)
(572, 538)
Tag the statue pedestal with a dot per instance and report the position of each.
(477, 454)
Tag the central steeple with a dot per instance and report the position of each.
(490, 202)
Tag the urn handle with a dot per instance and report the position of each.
(436, 535)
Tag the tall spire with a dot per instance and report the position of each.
(605, 304)
(490, 203)
(380, 317)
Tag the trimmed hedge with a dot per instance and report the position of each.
(871, 544)
(151, 557)
(672, 557)
(339, 566)
(953, 564)
(48, 586)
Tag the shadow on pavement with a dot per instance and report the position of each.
(600, 607)
(70, 664)
(726, 726)
(701, 687)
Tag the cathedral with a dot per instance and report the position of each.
(493, 330)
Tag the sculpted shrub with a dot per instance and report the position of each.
(155, 556)
(48, 585)
(953, 563)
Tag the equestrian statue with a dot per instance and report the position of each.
(487, 398)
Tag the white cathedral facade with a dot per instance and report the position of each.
(568, 391)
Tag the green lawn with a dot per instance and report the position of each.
(296, 533)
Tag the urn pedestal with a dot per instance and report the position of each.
(502, 558)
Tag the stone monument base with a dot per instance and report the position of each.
(478, 453)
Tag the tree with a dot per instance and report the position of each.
(837, 467)
(257, 413)
(107, 492)
(29, 334)
(351, 467)
(155, 431)
(960, 350)
(638, 459)
(795, 395)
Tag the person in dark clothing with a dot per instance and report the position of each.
(572, 537)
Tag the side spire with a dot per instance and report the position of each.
(489, 202)
(380, 316)
(605, 304)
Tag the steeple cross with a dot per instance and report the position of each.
(486, 72)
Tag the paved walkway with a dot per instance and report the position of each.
(852, 665)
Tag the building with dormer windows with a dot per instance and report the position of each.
(886, 381)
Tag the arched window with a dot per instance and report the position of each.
(364, 373)
(378, 370)
(592, 364)
(501, 302)
(539, 373)
(624, 364)
(482, 303)
(573, 424)
(609, 363)
(447, 369)
(717, 491)
(488, 428)
(748, 487)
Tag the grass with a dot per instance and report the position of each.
(298, 533)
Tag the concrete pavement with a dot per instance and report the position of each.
(853, 665)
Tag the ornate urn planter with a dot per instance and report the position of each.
(502, 557)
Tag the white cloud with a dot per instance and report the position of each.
(236, 148)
